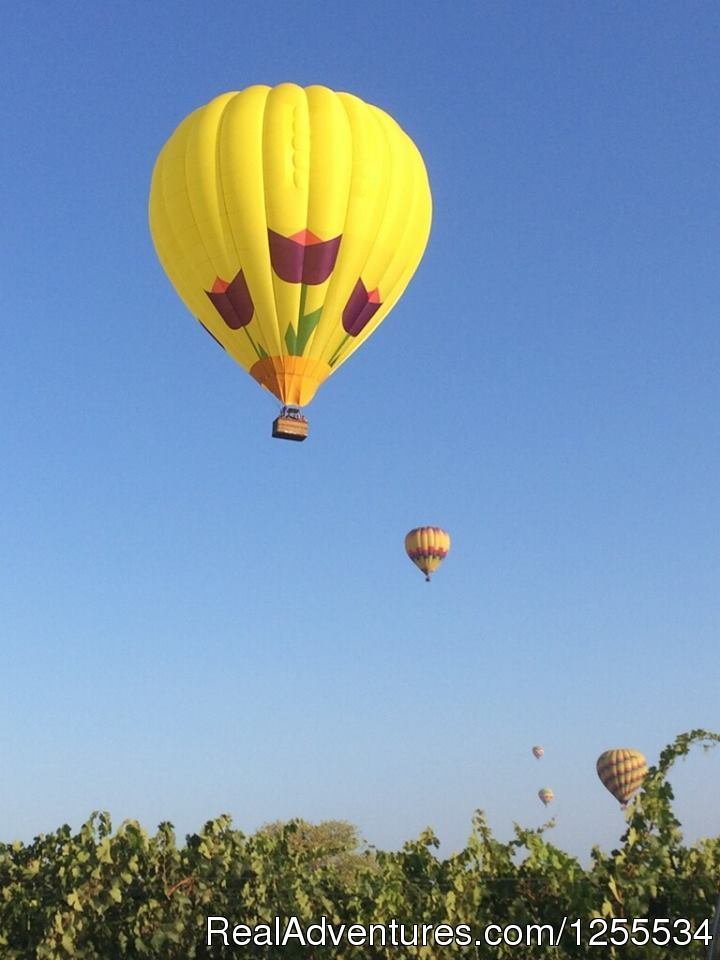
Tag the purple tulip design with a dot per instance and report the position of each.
(234, 304)
(360, 308)
(232, 301)
(303, 257)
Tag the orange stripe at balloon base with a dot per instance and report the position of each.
(293, 380)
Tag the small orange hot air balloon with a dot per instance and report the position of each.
(546, 795)
(538, 752)
(622, 771)
(427, 547)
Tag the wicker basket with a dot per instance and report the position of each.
(289, 428)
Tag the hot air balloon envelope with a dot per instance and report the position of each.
(546, 795)
(622, 771)
(427, 547)
(289, 220)
(538, 752)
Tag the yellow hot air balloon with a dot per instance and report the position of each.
(622, 771)
(546, 795)
(290, 220)
(427, 547)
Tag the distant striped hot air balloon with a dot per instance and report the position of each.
(427, 547)
(546, 795)
(538, 752)
(622, 771)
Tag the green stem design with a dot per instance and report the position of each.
(297, 339)
(333, 358)
(260, 352)
(303, 298)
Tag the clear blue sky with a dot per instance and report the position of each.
(183, 632)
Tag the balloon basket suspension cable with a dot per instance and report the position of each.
(290, 424)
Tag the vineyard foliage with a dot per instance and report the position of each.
(126, 894)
